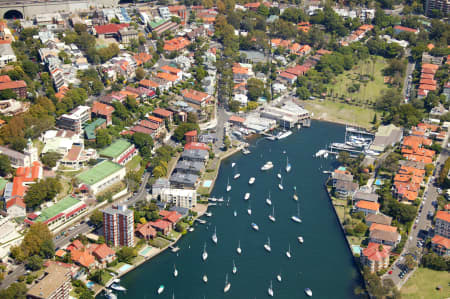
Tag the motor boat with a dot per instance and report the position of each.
(246, 196)
(205, 278)
(235, 213)
(308, 292)
(296, 218)
(267, 166)
(279, 277)
(175, 271)
(110, 295)
(267, 246)
(249, 210)
(251, 181)
(233, 164)
(300, 239)
(228, 186)
(283, 134)
(255, 226)
(161, 289)
(117, 287)
(280, 185)
(234, 268)
(236, 176)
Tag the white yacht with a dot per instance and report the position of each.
(267, 245)
(117, 287)
(288, 253)
(214, 236)
(238, 249)
(228, 185)
(283, 134)
(308, 292)
(235, 213)
(204, 254)
(110, 295)
(255, 226)
(269, 200)
(175, 271)
(296, 218)
(249, 210)
(270, 290)
(205, 278)
(236, 176)
(280, 185)
(161, 289)
(251, 181)
(288, 165)
(300, 239)
(247, 196)
(279, 277)
(227, 284)
(267, 166)
(233, 164)
(272, 216)
(234, 268)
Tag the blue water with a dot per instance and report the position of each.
(323, 263)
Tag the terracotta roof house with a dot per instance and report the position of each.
(442, 226)
(162, 226)
(196, 146)
(163, 113)
(376, 256)
(142, 58)
(104, 254)
(103, 111)
(196, 97)
(441, 245)
(367, 207)
(171, 216)
(398, 29)
(190, 136)
(176, 44)
(109, 30)
(384, 227)
(146, 231)
(83, 258)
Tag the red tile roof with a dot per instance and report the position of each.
(102, 251)
(383, 227)
(171, 216)
(191, 133)
(146, 230)
(235, 118)
(443, 215)
(196, 145)
(373, 252)
(163, 112)
(161, 224)
(109, 28)
(155, 119)
(443, 241)
(13, 85)
(102, 109)
(148, 124)
(368, 205)
(402, 28)
(83, 258)
(195, 95)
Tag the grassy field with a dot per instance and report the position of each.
(369, 90)
(134, 163)
(159, 242)
(423, 283)
(340, 112)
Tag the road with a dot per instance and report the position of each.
(58, 241)
(423, 223)
(407, 84)
(142, 192)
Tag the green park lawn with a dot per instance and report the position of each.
(340, 112)
(369, 89)
(423, 283)
(159, 242)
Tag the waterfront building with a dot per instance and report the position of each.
(359, 195)
(191, 167)
(162, 226)
(345, 189)
(118, 226)
(54, 284)
(103, 253)
(185, 198)
(199, 155)
(441, 245)
(386, 136)
(367, 207)
(102, 176)
(120, 151)
(385, 236)
(376, 256)
(146, 231)
(442, 226)
(183, 180)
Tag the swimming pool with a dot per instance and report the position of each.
(207, 184)
(124, 268)
(90, 284)
(145, 251)
(378, 182)
(356, 249)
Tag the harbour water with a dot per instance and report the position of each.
(323, 262)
